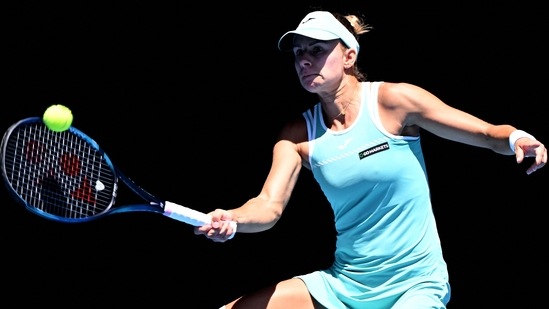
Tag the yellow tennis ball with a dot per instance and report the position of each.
(58, 118)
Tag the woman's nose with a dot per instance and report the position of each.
(304, 61)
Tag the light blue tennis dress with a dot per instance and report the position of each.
(388, 252)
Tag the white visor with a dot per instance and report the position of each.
(319, 25)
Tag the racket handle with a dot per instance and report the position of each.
(190, 216)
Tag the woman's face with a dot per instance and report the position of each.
(319, 64)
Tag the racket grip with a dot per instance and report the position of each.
(190, 216)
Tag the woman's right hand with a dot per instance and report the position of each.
(221, 228)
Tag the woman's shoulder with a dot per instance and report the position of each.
(397, 86)
(390, 91)
(295, 129)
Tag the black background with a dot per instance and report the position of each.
(187, 100)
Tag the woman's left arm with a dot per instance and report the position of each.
(418, 107)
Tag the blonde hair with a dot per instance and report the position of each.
(356, 26)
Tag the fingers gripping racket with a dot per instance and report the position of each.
(65, 176)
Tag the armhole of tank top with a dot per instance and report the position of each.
(311, 129)
(373, 107)
(309, 121)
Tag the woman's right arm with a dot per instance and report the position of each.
(261, 213)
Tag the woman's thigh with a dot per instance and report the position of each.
(290, 293)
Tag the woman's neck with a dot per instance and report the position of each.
(344, 103)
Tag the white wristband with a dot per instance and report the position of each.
(515, 135)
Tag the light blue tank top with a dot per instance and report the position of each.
(376, 182)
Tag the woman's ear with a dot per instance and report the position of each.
(350, 58)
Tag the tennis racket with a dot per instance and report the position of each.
(65, 176)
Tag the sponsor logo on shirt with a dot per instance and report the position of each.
(373, 150)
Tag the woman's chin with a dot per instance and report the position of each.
(309, 85)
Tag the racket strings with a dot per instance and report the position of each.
(59, 173)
